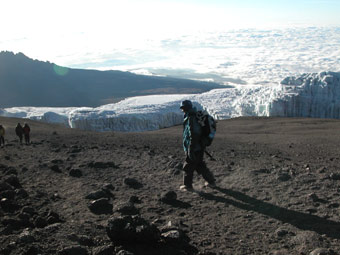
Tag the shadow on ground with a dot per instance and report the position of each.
(298, 219)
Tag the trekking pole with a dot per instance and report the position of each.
(210, 156)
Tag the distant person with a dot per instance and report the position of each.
(193, 148)
(27, 131)
(19, 132)
(2, 136)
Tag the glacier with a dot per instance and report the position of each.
(308, 95)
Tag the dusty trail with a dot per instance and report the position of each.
(278, 190)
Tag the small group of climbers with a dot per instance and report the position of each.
(20, 131)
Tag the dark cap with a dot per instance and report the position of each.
(186, 104)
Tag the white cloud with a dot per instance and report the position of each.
(254, 56)
(200, 41)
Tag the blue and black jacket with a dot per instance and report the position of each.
(192, 132)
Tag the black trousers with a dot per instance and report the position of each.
(197, 165)
(20, 137)
(27, 138)
(2, 140)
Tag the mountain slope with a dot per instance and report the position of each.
(278, 189)
(27, 82)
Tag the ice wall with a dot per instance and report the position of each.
(309, 95)
(160, 111)
(46, 114)
(132, 114)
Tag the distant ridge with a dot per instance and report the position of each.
(28, 82)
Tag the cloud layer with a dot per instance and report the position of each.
(231, 57)
(239, 56)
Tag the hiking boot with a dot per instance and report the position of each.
(210, 185)
(186, 188)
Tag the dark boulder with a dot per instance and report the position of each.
(134, 200)
(108, 186)
(76, 173)
(5, 186)
(97, 195)
(57, 161)
(9, 205)
(133, 183)
(55, 168)
(13, 223)
(10, 194)
(26, 237)
(102, 165)
(53, 217)
(29, 210)
(168, 197)
(11, 171)
(174, 236)
(131, 229)
(127, 209)
(21, 193)
(40, 222)
(335, 176)
(13, 181)
(100, 206)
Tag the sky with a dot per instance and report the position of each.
(107, 34)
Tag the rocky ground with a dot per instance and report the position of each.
(77, 192)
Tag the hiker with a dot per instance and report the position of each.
(27, 131)
(19, 132)
(2, 136)
(194, 148)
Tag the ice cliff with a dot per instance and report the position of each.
(309, 95)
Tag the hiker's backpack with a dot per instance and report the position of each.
(208, 125)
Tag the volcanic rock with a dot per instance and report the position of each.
(335, 176)
(97, 195)
(21, 193)
(26, 237)
(75, 173)
(13, 181)
(55, 168)
(9, 205)
(29, 210)
(40, 222)
(102, 165)
(100, 206)
(5, 186)
(133, 183)
(168, 197)
(127, 209)
(134, 199)
(9, 194)
(130, 229)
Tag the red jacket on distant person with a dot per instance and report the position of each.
(26, 129)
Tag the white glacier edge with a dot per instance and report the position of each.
(310, 95)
